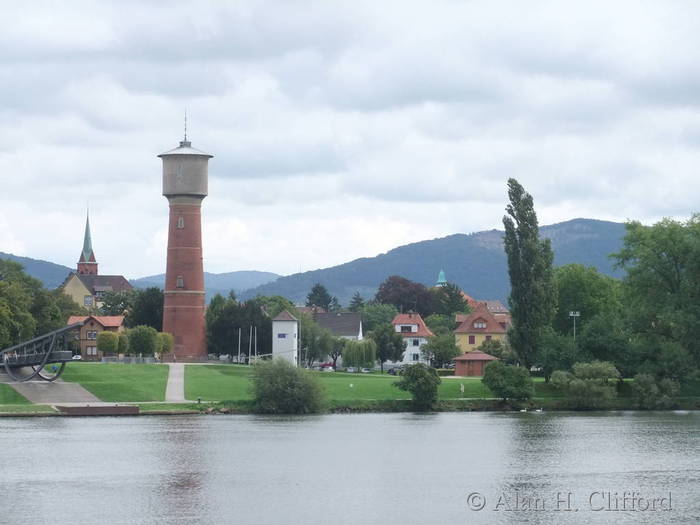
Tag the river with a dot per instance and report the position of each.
(353, 469)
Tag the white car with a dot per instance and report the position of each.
(328, 369)
(77, 357)
(351, 369)
(365, 371)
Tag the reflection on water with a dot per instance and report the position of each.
(337, 469)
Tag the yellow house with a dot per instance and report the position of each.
(88, 290)
(479, 326)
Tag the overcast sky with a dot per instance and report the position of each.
(339, 129)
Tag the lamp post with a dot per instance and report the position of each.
(574, 315)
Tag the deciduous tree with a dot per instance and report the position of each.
(390, 345)
(405, 295)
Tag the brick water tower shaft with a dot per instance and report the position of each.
(185, 184)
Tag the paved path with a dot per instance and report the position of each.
(175, 391)
(45, 393)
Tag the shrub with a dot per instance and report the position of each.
(443, 372)
(422, 382)
(166, 342)
(143, 340)
(108, 342)
(123, 346)
(650, 394)
(508, 381)
(589, 387)
(279, 387)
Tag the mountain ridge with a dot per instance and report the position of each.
(475, 261)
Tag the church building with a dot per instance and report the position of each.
(86, 286)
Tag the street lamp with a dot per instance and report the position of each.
(574, 315)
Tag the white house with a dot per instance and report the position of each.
(285, 337)
(415, 334)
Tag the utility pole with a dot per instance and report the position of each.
(250, 342)
(239, 346)
(574, 315)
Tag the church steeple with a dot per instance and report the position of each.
(87, 264)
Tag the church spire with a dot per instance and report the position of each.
(87, 264)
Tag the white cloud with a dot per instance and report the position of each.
(339, 130)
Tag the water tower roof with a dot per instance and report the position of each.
(185, 148)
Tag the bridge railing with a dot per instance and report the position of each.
(34, 351)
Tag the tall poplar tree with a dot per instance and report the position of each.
(533, 298)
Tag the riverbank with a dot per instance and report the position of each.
(225, 389)
(245, 407)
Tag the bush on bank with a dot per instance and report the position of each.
(422, 383)
(279, 387)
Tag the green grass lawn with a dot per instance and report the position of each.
(217, 382)
(231, 382)
(8, 396)
(120, 382)
(26, 409)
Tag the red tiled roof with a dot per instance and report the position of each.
(473, 303)
(284, 315)
(480, 314)
(107, 321)
(475, 355)
(411, 318)
(311, 310)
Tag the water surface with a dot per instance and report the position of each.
(349, 469)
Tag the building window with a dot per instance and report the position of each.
(92, 335)
(180, 223)
(479, 323)
(416, 342)
(472, 339)
(91, 350)
(281, 336)
(415, 357)
(87, 301)
(488, 337)
(180, 282)
(406, 329)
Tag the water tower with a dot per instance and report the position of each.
(185, 174)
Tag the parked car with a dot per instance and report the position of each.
(77, 357)
(365, 370)
(328, 369)
(351, 369)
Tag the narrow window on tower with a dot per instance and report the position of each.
(180, 283)
(180, 223)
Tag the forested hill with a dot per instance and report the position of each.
(51, 274)
(476, 262)
(215, 283)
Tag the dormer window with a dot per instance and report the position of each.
(179, 282)
(406, 329)
(479, 323)
(180, 223)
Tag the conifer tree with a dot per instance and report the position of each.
(533, 293)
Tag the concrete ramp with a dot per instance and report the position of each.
(45, 393)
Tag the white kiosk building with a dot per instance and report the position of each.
(285, 337)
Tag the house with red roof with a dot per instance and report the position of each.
(93, 325)
(415, 334)
(479, 326)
